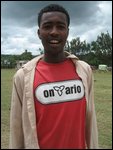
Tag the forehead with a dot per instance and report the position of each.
(53, 17)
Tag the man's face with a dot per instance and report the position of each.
(53, 31)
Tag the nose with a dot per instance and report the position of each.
(54, 31)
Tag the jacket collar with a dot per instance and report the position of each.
(31, 64)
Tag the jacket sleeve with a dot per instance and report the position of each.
(91, 123)
(16, 131)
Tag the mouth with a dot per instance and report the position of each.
(54, 42)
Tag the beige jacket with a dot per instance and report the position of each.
(23, 133)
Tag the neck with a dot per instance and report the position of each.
(54, 58)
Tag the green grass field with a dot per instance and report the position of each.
(103, 104)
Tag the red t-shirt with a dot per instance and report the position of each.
(60, 106)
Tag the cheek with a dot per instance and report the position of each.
(65, 36)
(41, 34)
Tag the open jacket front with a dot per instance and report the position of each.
(23, 133)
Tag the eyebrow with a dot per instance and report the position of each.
(50, 22)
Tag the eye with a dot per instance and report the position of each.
(61, 27)
(47, 27)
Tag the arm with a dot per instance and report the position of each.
(91, 124)
(16, 131)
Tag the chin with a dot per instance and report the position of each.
(55, 51)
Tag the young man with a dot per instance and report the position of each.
(52, 100)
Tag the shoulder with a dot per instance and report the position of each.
(83, 68)
(80, 64)
(77, 61)
(19, 75)
(83, 64)
(32, 63)
(27, 67)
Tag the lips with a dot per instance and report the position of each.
(54, 42)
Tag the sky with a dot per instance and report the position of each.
(19, 23)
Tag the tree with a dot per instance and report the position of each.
(26, 56)
(67, 47)
(41, 51)
(103, 48)
(104, 42)
(75, 46)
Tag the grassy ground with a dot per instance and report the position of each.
(6, 87)
(103, 104)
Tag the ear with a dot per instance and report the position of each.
(38, 32)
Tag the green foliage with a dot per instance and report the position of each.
(41, 51)
(26, 56)
(96, 52)
(9, 61)
(104, 43)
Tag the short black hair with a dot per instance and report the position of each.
(51, 8)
